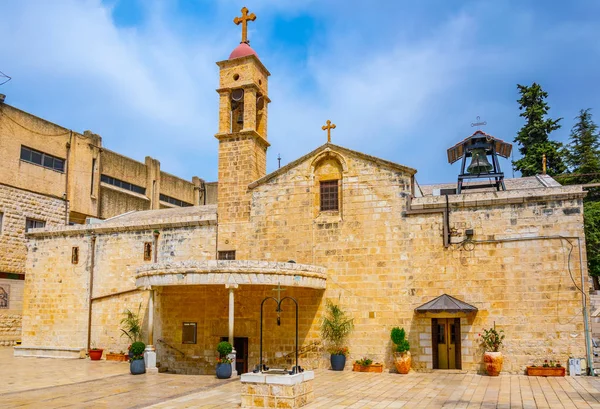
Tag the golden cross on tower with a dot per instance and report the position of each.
(328, 128)
(244, 21)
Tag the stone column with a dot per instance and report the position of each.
(232, 356)
(150, 352)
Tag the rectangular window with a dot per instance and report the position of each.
(75, 255)
(147, 251)
(329, 195)
(227, 255)
(122, 184)
(93, 173)
(189, 333)
(174, 201)
(34, 224)
(42, 159)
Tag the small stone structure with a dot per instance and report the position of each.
(264, 390)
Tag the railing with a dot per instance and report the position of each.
(170, 346)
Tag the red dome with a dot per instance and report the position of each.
(242, 50)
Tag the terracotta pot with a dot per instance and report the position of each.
(368, 368)
(402, 362)
(545, 371)
(95, 354)
(493, 363)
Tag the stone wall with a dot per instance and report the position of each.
(17, 205)
(10, 316)
(382, 263)
(57, 292)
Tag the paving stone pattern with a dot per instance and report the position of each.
(81, 383)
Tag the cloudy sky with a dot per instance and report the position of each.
(403, 80)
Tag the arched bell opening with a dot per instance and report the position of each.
(237, 110)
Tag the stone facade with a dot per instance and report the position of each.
(16, 206)
(379, 252)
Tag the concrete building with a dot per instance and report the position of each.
(51, 175)
(335, 224)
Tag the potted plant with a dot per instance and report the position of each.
(136, 362)
(131, 326)
(491, 341)
(547, 369)
(335, 328)
(119, 357)
(95, 353)
(366, 365)
(402, 357)
(223, 361)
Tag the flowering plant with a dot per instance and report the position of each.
(339, 351)
(224, 360)
(549, 364)
(364, 362)
(491, 340)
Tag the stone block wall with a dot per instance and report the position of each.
(208, 306)
(16, 205)
(382, 263)
(10, 316)
(57, 292)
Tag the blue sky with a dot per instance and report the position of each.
(402, 80)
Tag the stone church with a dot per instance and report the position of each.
(334, 224)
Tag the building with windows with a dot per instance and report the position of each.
(334, 224)
(51, 175)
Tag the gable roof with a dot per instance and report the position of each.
(335, 148)
(446, 303)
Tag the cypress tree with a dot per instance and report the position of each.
(584, 149)
(533, 137)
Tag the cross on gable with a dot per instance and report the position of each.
(244, 22)
(328, 128)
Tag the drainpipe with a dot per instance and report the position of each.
(92, 265)
(588, 336)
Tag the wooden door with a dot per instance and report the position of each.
(241, 353)
(446, 343)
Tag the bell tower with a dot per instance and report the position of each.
(243, 101)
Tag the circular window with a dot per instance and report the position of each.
(236, 77)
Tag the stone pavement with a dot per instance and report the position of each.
(81, 383)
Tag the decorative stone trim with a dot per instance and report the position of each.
(498, 198)
(244, 272)
(131, 225)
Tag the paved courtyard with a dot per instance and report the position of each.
(57, 383)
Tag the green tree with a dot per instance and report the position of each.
(533, 137)
(591, 217)
(584, 150)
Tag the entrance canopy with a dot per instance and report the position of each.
(446, 303)
(231, 272)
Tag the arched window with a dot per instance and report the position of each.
(328, 184)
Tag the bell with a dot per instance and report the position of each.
(240, 119)
(479, 163)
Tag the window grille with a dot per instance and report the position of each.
(227, 255)
(329, 195)
(147, 251)
(75, 255)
